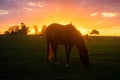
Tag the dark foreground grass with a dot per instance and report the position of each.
(23, 58)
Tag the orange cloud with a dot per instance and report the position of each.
(93, 14)
(108, 15)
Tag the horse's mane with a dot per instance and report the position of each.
(69, 26)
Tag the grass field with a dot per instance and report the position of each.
(23, 58)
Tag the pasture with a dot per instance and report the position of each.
(24, 58)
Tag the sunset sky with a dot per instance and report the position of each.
(102, 15)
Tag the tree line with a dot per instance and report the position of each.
(16, 30)
(23, 30)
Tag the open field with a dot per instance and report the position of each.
(23, 58)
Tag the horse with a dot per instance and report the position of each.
(67, 35)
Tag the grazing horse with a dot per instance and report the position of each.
(68, 36)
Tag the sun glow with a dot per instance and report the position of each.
(82, 30)
(63, 12)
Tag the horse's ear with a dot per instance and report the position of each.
(71, 23)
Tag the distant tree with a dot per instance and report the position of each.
(36, 29)
(10, 29)
(24, 29)
(94, 32)
(6, 32)
(43, 29)
(14, 30)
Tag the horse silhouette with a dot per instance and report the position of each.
(69, 36)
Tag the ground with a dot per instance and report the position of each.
(24, 58)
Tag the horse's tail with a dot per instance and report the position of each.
(49, 44)
(49, 51)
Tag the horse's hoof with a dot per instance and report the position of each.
(67, 66)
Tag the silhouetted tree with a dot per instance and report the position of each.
(10, 29)
(6, 32)
(24, 29)
(94, 32)
(14, 30)
(43, 30)
(36, 29)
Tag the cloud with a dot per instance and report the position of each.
(3, 12)
(27, 9)
(108, 15)
(38, 4)
(93, 14)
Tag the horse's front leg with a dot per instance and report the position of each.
(68, 50)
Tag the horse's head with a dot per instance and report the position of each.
(83, 52)
(82, 49)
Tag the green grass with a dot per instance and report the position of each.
(24, 58)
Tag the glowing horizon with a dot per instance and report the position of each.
(84, 14)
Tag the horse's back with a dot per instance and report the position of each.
(58, 33)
